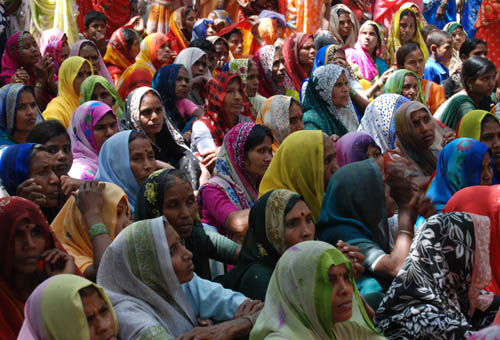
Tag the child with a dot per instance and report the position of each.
(95, 29)
(440, 46)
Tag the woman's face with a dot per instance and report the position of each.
(199, 68)
(369, 38)
(142, 159)
(481, 50)
(29, 244)
(65, 51)
(385, 35)
(210, 30)
(295, 117)
(135, 48)
(105, 128)
(179, 208)
(164, 54)
(182, 84)
(483, 85)
(407, 29)
(458, 38)
(329, 160)
(307, 53)
(182, 259)
(299, 224)
(189, 21)
(28, 50)
(151, 115)
(90, 53)
(423, 127)
(122, 215)
(41, 169)
(221, 54)
(83, 74)
(340, 92)
(486, 170)
(99, 317)
(342, 290)
(102, 95)
(410, 88)
(374, 152)
(490, 135)
(415, 62)
(252, 79)
(60, 149)
(233, 100)
(259, 158)
(279, 70)
(236, 44)
(345, 25)
(26, 111)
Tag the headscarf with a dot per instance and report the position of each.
(267, 87)
(394, 42)
(9, 96)
(470, 125)
(334, 25)
(14, 165)
(326, 55)
(188, 57)
(298, 166)
(268, 30)
(176, 24)
(275, 115)
(378, 119)
(200, 28)
(395, 82)
(87, 90)
(11, 60)
(459, 166)
(240, 67)
(118, 55)
(136, 271)
(51, 44)
(49, 36)
(149, 203)
(352, 147)
(318, 106)
(61, 108)
(81, 134)
(103, 70)
(455, 61)
(291, 49)
(299, 298)
(360, 57)
(71, 229)
(425, 160)
(56, 306)
(438, 287)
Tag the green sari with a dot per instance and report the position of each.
(87, 89)
(458, 106)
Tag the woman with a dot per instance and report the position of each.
(149, 277)
(155, 52)
(123, 47)
(404, 30)
(27, 240)
(440, 290)
(88, 50)
(89, 221)
(54, 43)
(91, 124)
(226, 107)
(462, 163)
(312, 295)
(355, 147)
(226, 199)
(407, 84)
(344, 24)
(479, 79)
(299, 54)
(181, 24)
(365, 51)
(195, 60)
(18, 113)
(72, 73)
(327, 103)
(283, 115)
(203, 28)
(169, 192)
(98, 88)
(73, 300)
(459, 36)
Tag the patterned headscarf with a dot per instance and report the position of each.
(118, 51)
(11, 59)
(275, 115)
(267, 87)
(291, 49)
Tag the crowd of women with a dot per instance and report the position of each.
(249, 169)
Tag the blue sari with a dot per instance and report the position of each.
(430, 9)
(14, 165)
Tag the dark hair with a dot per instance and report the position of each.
(89, 290)
(437, 37)
(427, 29)
(230, 33)
(487, 119)
(93, 16)
(136, 134)
(203, 44)
(256, 137)
(45, 131)
(470, 45)
(408, 12)
(403, 52)
(475, 67)
(221, 41)
(294, 101)
(377, 32)
(129, 36)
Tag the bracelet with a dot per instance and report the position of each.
(248, 317)
(352, 92)
(97, 229)
(406, 232)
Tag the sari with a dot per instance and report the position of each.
(378, 120)
(459, 166)
(482, 200)
(470, 125)
(488, 25)
(51, 44)
(61, 108)
(395, 82)
(200, 29)
(114, 167)
(9, 96)
(159, 16)
(384, 10)
(434, 95)
(12, 61)
(14, 165)
(71, 229)
(319, 111)
(103, 70)
(352, 147)
(437, 289)
(117, 57)
(87, 90)
(455, 108)
(56, 305)
(178, 40)
(334, 25)
(146, 63)
(274, 115)
(308, 16)
(291, 49)
(430, 9)
(298, 166)
(81, 134)
(456, 61)
(299, 298)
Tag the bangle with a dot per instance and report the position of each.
(97, 229)
(249, 318)
(406, 232)
(352, 92)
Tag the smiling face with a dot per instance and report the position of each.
(41, 169)
(29, 243)
(182, 259)
(342, 290)
(179, 208)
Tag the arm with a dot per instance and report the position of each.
(220, 248)
(237, 222)
(201, 138)
(327, 8)
(359, 102)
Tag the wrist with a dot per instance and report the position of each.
(97, 229)
(92, 219)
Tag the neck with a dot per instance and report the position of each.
(307, 68)
(20, 136)
(24, 284)
(254, 180)
(187, 35)
(475, 97)
(232, 119)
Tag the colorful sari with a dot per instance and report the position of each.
(488, 26)
(291, 54)
(430, 9)
(51, 44)
(178, 41)
(61, 108)
(159, 16)
(103, 70)
(470, 125)
(352, 147)
(200, 29)
(117, 57)
(12, 61)
(87, 91)
(308, 16)
(455, 108)
(274, 115)
(14, 165)
(396, 81)
(384, 10)
(81, 134)
(334, 25)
